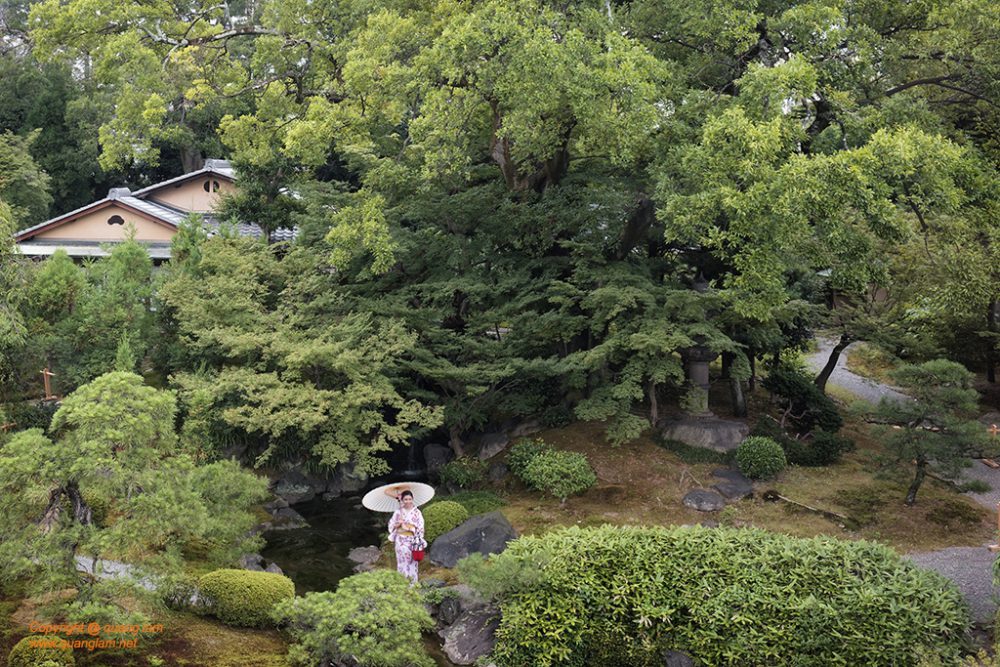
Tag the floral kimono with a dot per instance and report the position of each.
(407, 538)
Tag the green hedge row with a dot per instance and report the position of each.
(622, 595)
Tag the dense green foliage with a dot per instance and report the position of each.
(803, 404)
(621, 595)
(523, 451)
(558, 473)
(938, 428)
(465, 472)
(760, 458)
(441, 517)
(818, 448)
(373, 619)
(25, 655)
(113, 444)
(244, 598)
(475, 502)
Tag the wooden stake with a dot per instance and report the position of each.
(46, 374)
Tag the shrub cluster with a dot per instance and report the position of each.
(760, 458)
(820, 449)
(441, 517)
(476, 502)
(244, 597)
(618, 595)
(25, 655)
(373, 619)
(465, 472)
(809, 407)
(523, 451)
(560, 474)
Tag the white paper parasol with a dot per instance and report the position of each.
(383, 498)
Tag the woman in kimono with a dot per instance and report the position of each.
(406, 530)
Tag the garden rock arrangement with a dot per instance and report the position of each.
(733, 486)
(365, 557)
(484, 534)
(720, 435)
(704, 500)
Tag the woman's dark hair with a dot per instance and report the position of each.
(406, 493)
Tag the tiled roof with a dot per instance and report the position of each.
(219, 167)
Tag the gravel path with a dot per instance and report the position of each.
(971, 568)
(861, 387)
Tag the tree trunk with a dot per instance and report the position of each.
(911, 495)
(739, 399)
(831, 363)
(752, 357)
(991, 326)
(191, 159)
(455, 441)
(727, 365)
(81, 510)
(654, 408)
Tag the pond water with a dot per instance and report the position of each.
(315, 557)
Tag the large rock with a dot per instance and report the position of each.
(484, 534)
(471, 636)
(294, 487)
(721, 435)
(287, 519)
(435, 456)
(529, 427)
(365, 557)
(346, 479)
(704, 500)
(734, 484)
(492, 444)
(677, 659)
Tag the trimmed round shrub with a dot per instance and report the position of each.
(760, 458)
(822, 449)
(522, 452)
(621, 595)
(373, 619)
(441, 517)
(477, 502)
(465, 472)
(243, 597)
(39, 651)
(560, 474)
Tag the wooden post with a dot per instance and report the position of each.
(8, 426)
(996, 547)
(46, 374)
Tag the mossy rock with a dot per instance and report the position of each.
(244, 598)
(41, 651)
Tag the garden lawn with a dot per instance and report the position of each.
(643, 483)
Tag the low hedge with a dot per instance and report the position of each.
(244, 597)
(621, 595)
(523, 451)
(53, 653)
(441, 517)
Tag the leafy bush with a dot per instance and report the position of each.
(465, 472)
(823, 448)
(441, 517)
(619, 595)
(476, 502)
(560, 474)
(808, 407)
(373, 619)
(522, 453)
(243, 597)
(49, 651)
(760, 458)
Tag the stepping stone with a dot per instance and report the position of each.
(704, 500)
(734, 484)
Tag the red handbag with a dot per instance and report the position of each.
(418, 554)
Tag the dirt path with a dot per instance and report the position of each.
(970, 568)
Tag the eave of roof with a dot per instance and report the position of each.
(152, 212)
(225, 172)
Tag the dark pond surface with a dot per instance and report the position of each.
(315, 558)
